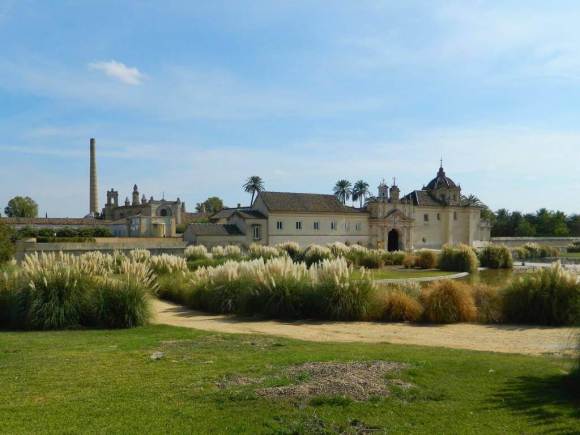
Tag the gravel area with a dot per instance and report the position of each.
(522, 339)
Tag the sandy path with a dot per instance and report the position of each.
(530, 340)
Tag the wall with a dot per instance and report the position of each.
(105, 245)
(308, 235)
(556, 242)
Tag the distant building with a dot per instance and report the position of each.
(427, 218)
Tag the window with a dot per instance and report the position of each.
(455, 215)
(426, 217)
(257, 232)
(316, 225)
(347, 226)
(298, 225)
(438, 216)
(279, 225)
(357, 226)
(333, 225)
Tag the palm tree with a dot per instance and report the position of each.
(360, 191)
(342, 190)
(253, 184)
(472, 201)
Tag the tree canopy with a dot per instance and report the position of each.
(20, 206)
(543, 223)
(211, 205)
(343, 190)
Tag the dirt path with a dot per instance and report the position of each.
(531, 340)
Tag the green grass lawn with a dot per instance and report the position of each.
(106, 382)
(400, 273)
(570, 255)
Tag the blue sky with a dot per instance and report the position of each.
(188, 98)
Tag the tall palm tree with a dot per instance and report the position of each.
(360, 191)
(253, 184)
(343, 190)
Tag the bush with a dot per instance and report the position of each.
(496, 257)
(176, 287)
(549, 296)
(197, 252)
(12, 299)
(488, 302)
(6, 243)
(426, 259)
(399, 307)
(140, 255)
(371, 259)
(461, 258)
(256, 251)
(448, 302)
(394, 258)
(409, 261)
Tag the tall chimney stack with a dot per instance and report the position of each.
(94, 205)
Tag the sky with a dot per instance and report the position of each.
(189, 98)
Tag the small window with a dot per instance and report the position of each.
(357, 226)
(316, 225)
(298, 225)
(426, 217)
(347, 226)
(279, 225)
(455, 215)
(424, 240)
(438, 216)
(333, 225)
(257, 232)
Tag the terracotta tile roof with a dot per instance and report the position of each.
(214, 230)
(304, 202)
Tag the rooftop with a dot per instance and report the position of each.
(304, 202)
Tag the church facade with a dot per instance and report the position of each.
(431, 217)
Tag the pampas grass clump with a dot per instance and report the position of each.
(197, 252)
(291, 248)
(549, 296)
(460, 258)
(426, 259)
(400, 307)
(164, 263)
(140, 255)
(448, 302)
(496, 257)
(316, 254)
(489, 303)
(266, 252)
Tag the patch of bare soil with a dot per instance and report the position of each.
(355, 380)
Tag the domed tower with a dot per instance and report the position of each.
(444, 188)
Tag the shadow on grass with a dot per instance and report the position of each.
(543, 400)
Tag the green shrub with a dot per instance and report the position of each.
(448, 301)
(176, 287)
(13, 299)
(6, 243)
(371, 259)
(426, 259)
(291, 248)
(400, 307)
(488, 302)
(549, 296)
(394, 258)
(496, 257)
(461, 258)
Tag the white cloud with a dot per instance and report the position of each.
(119, 71)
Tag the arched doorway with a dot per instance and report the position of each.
(393, 241)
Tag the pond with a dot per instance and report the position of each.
(492, 277)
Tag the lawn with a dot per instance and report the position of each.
(106, 381)
(570, 255)
(401, 273)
